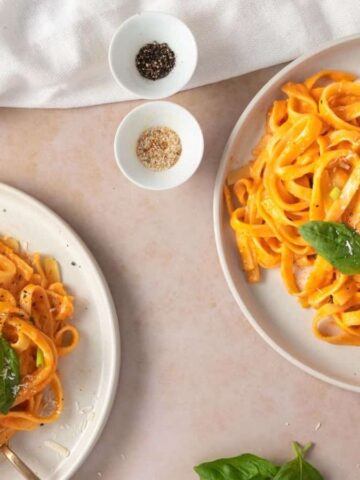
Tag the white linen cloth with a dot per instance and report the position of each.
(53, 53)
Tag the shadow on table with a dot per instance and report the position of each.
(125, 411)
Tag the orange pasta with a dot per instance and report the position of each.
(306, 167)
(35, 310)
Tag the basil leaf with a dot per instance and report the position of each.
(299, 468)
(244, 467)
(336, 242)
(9, 376)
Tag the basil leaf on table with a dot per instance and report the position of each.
(244, 467)
(336, 242)
(9, 376)
(299, 468)
(251, 467)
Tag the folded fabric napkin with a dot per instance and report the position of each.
(53, 53)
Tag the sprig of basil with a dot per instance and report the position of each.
(336, 242)
(9, 376)
(251, 467)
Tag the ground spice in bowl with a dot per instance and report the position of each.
(155, 60)
(158, 148)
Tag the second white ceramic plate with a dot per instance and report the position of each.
(89, 375)
(276, 315)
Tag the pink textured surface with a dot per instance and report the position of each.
(196, 381)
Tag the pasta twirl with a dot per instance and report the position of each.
(306, 167)
(35, 310)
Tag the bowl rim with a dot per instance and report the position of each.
(139, 94)
(217, 210)
(195, 164)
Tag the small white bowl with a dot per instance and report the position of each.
(145, 28)
(159, 114)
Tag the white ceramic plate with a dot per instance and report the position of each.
(276, 315)
(89, 374)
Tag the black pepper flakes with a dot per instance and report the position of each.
(155, 60)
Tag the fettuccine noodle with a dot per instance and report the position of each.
(35, 310)
(306, 167)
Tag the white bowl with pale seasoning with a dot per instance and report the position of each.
(159, 145)
(153, 55)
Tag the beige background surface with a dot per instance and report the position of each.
(196, 381)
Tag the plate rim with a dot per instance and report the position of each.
(218, 208)
(112, 384)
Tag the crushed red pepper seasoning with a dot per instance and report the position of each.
(158, 148)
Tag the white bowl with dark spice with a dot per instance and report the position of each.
(153, 55)
(159, 145)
